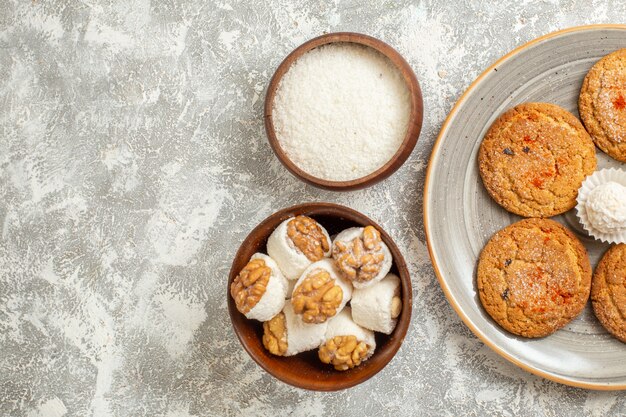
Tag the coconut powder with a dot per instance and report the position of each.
(341, 111)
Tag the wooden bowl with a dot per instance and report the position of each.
(305, 370)
(415, 118)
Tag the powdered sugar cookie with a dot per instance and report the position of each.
(534, 158)
(602, 104)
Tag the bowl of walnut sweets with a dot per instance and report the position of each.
(320, 296)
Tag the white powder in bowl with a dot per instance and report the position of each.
(341, 111)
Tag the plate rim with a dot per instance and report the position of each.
(426, 198)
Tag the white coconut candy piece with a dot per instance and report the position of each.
(347, 236)
(343, 325)
(281, 248)
(273, 299)
(302, 336)
(330, 266)
(378, 306)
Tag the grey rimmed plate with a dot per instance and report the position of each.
(460, 217)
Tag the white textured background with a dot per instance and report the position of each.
(133, 161)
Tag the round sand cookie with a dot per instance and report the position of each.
(534, 159)
(608, 291)
(534, 277)
(602, 104)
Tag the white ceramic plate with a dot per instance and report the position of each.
(460, 217)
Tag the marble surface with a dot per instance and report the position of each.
(133, 161)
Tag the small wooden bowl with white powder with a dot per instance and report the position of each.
(343, 111)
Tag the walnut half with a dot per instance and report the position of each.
(250, 285)
(361, 259)
(317, 297)
(343, 352)
(307, 235)
(275, 335)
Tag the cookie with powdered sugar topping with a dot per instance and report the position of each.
(602, 104)
(608, 291)
(534, 159)
(534, 276)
